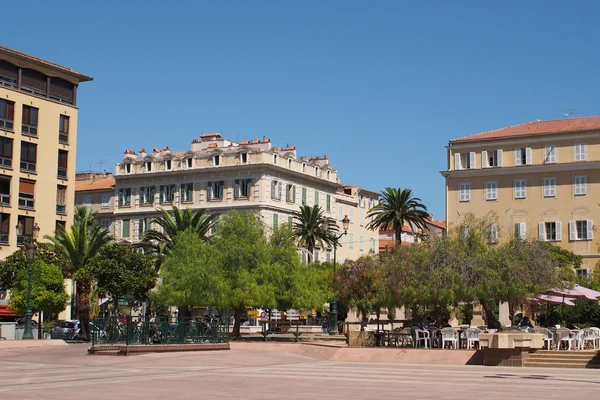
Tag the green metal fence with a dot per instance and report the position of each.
(141, 331)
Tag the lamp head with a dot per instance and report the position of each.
(36, 230)
(345, 224)
(19, 229)
(30, 248)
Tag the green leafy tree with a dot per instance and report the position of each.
(123, 271)
(78, 246)
(160, 242)
(311, 228)
(17, 261)
(396, 208)
(48, 292)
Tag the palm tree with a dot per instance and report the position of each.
(78, 246)
(312, 227)
(161, 242)
(83, 213)
(396, 208)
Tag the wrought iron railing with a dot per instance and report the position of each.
(141, 331)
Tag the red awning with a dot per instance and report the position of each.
(5, 312)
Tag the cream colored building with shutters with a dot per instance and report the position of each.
(540, 179)
(218, 174)
(38, 139)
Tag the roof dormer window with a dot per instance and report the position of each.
(216, 160)
(127, 168)
(244, 158)
(303, 167)
(188, 162)
(168, 165)
(290, 163)
(316, 171)
(148, 166)
(275, 159)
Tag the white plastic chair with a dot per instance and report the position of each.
(548, 337)
(422, 336)
(597, 330)
(407, 337)
(451, 336)
(563, 335)
(472, 336)
(587, 335)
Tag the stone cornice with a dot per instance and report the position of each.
(522, 169)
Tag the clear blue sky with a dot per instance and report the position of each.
(378, 86)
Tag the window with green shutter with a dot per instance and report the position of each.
(275, 221)
(125, 230)
(317, 194)
(328, 203)
(303, 196)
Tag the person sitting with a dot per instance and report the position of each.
(571, 326)
(525, 323)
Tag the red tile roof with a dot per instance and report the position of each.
(94, 184)
(439, 223)
(537, 128)
(80, 76)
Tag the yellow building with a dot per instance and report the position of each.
(38, 139)
(540, 179)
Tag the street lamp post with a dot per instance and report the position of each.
(30, 248)
(333, 326)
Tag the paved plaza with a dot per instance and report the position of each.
(253, 371)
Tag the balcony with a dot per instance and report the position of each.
(26, 203)
(61, 209)
(61, 173)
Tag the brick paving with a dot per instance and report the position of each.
(268, 372)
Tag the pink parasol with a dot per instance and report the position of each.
(577, 292)
(566, 300)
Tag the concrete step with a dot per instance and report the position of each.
(572, 356)
(559, 365)
(563, 360)
(587, 352)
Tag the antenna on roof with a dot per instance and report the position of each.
(100, 163)
(568, 113)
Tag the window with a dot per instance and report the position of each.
(216, 160)
(188, 162)
(317, 195)
(549, 187)
(317, 171)
(351, 215)
(60, 226)
(464, 231)
(63, 157)
(580, 185)
(276, 188)
(167, 194)
(30, 121)
(143, 226)
(491, 158)
(168, 165)
(520, 231)
(290, 163)
(7, 115)
(491, 190)
(464, 161)
(303, 167)
(106, 200)
(328, 256)
(275, 159)
(61, 199)
(275, 221)
(550, 231)
(5, 191)
(8, 74)
(303, 196)
(464, 192)
(243, 188)
(6, 146)
(328, 173)
(127, 167)
(186, 193)
(148, 166)
(581, 230)
(328, 203)
(215, 190)
(105, 222)
(147, 195)
(372, 245)
(520, 189)
(362, 218)
(583, 273)
(28, 224)
(290, 193)
(26, 194)
(351, 240)
(87, 200)
(340, 212)
(28, 156)
(549, 154)
(580, 152)
(63, 129)
(361, 244)
(492, 233)
(316, 255)
(4, 228)
(125, 197)
(244, 158)
(125, 228)
(33, 81)
(523, 156)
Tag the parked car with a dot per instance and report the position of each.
(67, 330)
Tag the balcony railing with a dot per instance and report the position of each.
(4, 199)
(61, 209)
(62, 173)
(63, 138)
(29, 130)
(26, 203)
(5, 162)
(27, 166)
(6, 124)
(3, 238)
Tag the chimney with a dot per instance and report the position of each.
(142, 152)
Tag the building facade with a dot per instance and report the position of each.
(97, 191)
(539, 180)
(410, 235)
(38, 139)
(219, 175)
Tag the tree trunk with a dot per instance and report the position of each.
(237, 318)
(492, 319)
(83, 299)
(398, 234)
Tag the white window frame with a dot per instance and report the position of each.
(492, 233)
(106, 197)
(587, 227)
(351, 240)
(491, 190)
(361, 243)
(580, 152)
(580, 185)
(464, 192)
(276, 188)
(523, 154)
(340, 212)
(549, 187)
(127, 167)
(168, 164)
(520, 189)
(543, 234)
(148, 166)
(521, 231)
(550, 154)
(494, 155)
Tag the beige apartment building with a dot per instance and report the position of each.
(540, 179)
(38, 139)
(97, 191)
(218, 174)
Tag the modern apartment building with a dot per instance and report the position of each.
(219, 175)
(38, 138)
(97, 191)
(540, 179)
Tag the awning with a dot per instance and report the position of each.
(6, 312)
